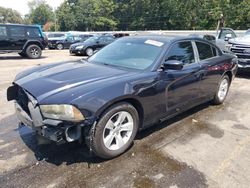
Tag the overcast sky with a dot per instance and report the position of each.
(22, 5)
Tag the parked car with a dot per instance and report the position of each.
(131, 84)
(56, 35)
(26, 40)
(63, 42)
(223, 36)
(241, 47)
(210, 38)
(89, 46)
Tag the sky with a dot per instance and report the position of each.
(22, 5)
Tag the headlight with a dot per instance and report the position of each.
(79, 47)
(62, 112)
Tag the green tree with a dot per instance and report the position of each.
(40, 12)
(152, 14)
(86, 15)
(8, 15)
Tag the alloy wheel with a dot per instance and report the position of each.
(89, 51)
(223, 89)
(34, 52)
(118, 130)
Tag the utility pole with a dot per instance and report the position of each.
(55, 18)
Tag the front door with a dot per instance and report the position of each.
(182, 86)
(221, 41)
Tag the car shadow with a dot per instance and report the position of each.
(243, 74)
(70, 153)
(156, 127)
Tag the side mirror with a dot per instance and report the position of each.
(228, 36)
(173, 65)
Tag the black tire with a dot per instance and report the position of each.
(33, 51)
(96, 136)
(89, 51)
(219, 100)
(60, 46)
(22, 54)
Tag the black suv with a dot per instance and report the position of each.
(26, 40)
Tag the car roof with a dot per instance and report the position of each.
(19, 25)
(164, 38)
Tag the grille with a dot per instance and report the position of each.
(240, 51)
(23, 100)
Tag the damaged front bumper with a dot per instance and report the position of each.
(28, 112)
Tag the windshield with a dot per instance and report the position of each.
(247, 33)
(92, 39)
(129, 53)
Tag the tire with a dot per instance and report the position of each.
(22, 54)
(33, 51)
(222, 90)
(89, 51)
(108, 142)
(59, 46)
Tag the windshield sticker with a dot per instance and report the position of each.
(154, 42)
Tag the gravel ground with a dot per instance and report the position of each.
(208, 146)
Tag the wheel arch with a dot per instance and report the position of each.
(134, 102)
(230, 75)
(28, 43)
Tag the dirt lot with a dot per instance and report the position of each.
(209, 146)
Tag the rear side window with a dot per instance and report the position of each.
(182, 51)
(3, 32)
(55, 35)
(17, 31)
(205, 51)
(58, 35)
(33, 32)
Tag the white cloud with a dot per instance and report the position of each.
(22, 5)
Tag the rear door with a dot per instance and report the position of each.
(209, 58)
(4, 41)
(17, 37)
(182, 86)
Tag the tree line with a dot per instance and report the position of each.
(105, 15)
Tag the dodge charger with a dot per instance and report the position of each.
(129, 85)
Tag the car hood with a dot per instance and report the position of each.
(77, 44)
(241, 40)
(47, 81)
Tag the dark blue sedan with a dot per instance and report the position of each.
(131, 84)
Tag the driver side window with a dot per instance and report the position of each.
(182, 51)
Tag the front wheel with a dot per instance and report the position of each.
(115, 131)
(59, 46)
(89, 51)
(222, 90)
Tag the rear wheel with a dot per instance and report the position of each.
(33, 51)
(115, 131)
(222, 90)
